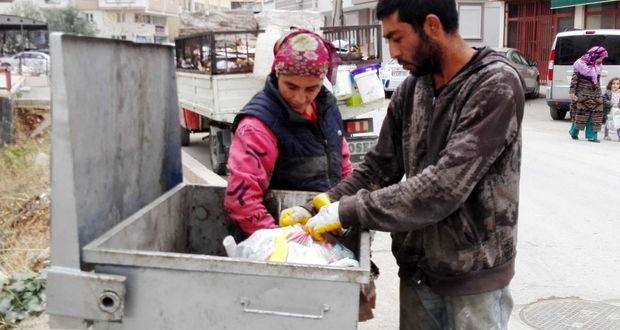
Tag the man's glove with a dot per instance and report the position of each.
(294, 215)
(325, 221)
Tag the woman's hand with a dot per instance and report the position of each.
(573, 97)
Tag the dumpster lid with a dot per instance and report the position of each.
(115, 136)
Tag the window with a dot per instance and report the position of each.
(514, 56)
(472, 14)
(120, 17)
(199, 7)
(603, 16)
(570, 48)
(158, 20)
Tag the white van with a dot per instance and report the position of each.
(567, 48)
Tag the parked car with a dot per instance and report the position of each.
(567, 48)
(527, 68)
(31, 61)
(392, 75)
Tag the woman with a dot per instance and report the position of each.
(289, 136)
(586, 110)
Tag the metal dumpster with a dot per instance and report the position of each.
(135, 248)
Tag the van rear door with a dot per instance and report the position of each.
(569, 48)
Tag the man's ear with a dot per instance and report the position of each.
(432, 26)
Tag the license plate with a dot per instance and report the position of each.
(399, 73)
(358, 148)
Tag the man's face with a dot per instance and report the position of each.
(299, 91)
(415, 51)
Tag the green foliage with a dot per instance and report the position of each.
(27, 9)
(68, 20)
(22, 296)
(17, 157)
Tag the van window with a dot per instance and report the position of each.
(569, 48)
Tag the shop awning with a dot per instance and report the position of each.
(555, 4)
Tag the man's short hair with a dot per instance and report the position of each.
(414, 12)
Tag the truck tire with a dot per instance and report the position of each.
(557, 113)
(184, 136)
(219, 149)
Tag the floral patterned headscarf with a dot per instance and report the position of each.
(305, 53)
(586, 65)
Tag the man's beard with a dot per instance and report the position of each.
(427, 58)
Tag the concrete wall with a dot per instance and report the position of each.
(86, 4)
(491, 22)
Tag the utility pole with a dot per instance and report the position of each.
(337, 13)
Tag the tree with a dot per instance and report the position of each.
(27, 9)
(68, 20)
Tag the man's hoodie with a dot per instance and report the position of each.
(454, 219)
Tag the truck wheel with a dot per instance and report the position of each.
(184, 136)
(557, 113)
(219, 154)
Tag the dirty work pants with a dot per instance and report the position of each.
(590, 133)
(422, 309)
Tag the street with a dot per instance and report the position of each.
(568, 231)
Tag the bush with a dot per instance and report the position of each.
(22, 296)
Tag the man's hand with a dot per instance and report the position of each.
(294, 215)
(325, 221)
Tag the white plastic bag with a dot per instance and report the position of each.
(615, 117)
(290, 244)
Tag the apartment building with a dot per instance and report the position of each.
(531, 25)
(198, 6)
(249, 5)
(484, 27)
(135, 20)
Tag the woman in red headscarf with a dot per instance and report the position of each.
(586, 109)
(289, 136)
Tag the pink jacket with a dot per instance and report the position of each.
(248, 183)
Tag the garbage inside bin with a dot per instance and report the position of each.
(290, 244)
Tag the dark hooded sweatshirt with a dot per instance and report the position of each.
(454, 219)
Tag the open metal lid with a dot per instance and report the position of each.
(115, 136)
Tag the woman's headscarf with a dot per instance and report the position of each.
(305, 53)
(587, 66)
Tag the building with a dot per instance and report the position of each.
(250, 5)
(135, 20)
(531, 25)
(205, 5)
(485, 19)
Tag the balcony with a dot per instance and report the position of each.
(123, 4)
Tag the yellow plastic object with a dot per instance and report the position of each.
(354, 100)
(318, 234)
(320, 200)
(280, 247)
(287, 219)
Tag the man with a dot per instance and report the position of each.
(453, 129)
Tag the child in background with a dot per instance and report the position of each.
(611, 101)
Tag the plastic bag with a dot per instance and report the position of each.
(615, 117)
(290, 244)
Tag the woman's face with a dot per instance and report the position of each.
(599, 61)
(615, 85)
(299, 91)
